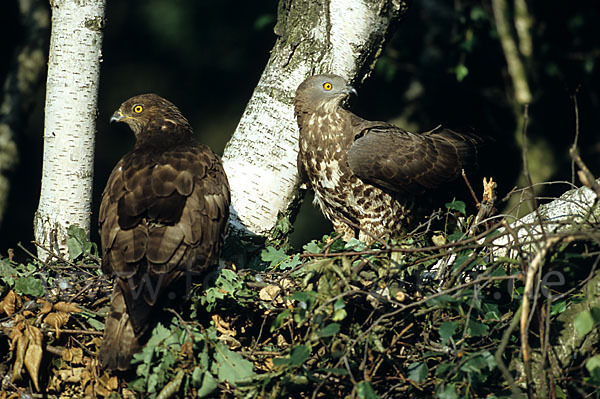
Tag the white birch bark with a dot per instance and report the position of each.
(70, 121)
(576, 210)
(334, 36)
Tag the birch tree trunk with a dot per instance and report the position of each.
(70, 121)
(331, 36)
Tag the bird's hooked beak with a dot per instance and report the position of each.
(351, 90)
(117, 116)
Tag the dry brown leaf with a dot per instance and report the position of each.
(33, 356)
(57, 320)
(16, 332)
(8, 304)
(71, 374)
(46, 306)
(400, 296)
(222, 326)
(269, 293)
(106, 385)
(66, 307)
(73, 355)
(187, 349)
(21, 345)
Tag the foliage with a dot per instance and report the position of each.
(403, 318)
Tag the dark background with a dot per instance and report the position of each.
(207, 57)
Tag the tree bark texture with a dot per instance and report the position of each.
(576, 210)
(333, 36)
(70, 121)
(23, 78)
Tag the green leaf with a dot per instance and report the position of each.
(492, 312)
(443, 368)
(366, 391)
(440, 300)
(197, 376)
(29, 286)
(273, 256)
(474, 364)
(584, 323)
(476, 329)
(75, 248)
(78, 242)
(333, 371)
(312, 247)
(339, 315)
(280, 319)
(418, 372)
(456, 206)
(329, 330)
(232, 367)
(299, 355)
(355, 245)
(209, 384)
(461, 72)
(558, 307)
(96, 324)
(339, 304)
(593, 367)
(447, 329)
(307, 297)
(449, 392)
(290, 262)
(6, 270)
(455, 236)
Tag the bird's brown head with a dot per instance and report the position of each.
(149, 110)
(322, 92)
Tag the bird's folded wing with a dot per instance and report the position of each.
(399, 161)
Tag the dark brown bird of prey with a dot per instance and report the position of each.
(363, 172)
(163, 213)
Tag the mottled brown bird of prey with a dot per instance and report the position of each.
(363, 172)
(163, 214)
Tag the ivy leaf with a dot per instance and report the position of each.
(418, 372)
(365, 390)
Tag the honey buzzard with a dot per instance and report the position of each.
(163, 213)
(363, 172)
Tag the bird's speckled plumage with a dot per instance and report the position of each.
(360, 170)
(163, 212)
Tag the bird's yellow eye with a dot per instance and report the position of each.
(138, 109)
(327, 86)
